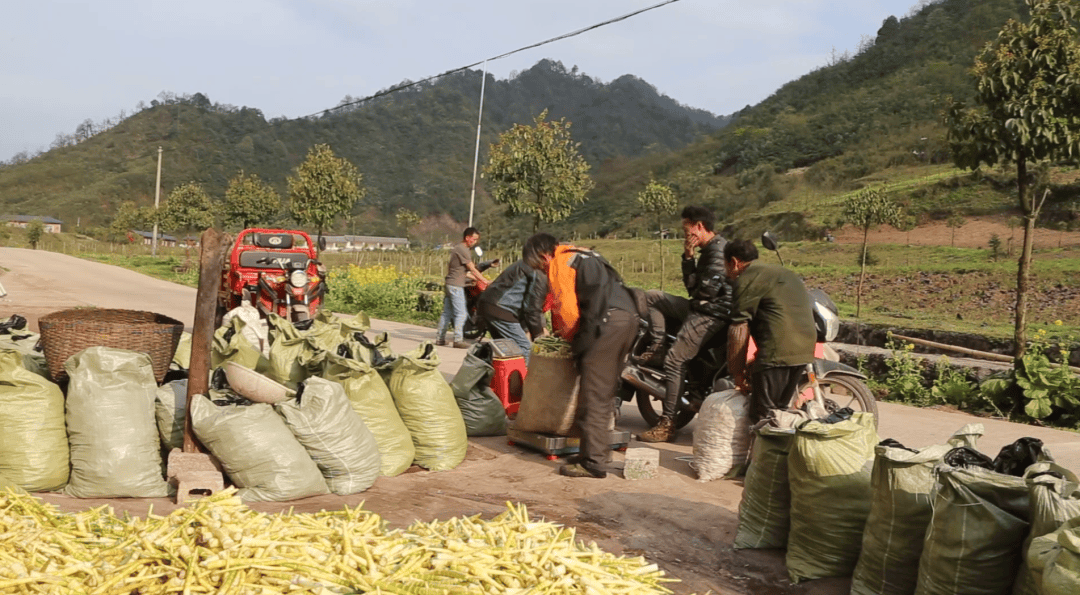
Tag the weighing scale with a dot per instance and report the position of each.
(556, 446)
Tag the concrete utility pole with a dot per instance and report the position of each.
(476, 157)
(157, 196)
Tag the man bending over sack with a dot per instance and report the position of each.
(770, 304)
(597, 315)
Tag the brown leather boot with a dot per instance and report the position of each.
(664, 431)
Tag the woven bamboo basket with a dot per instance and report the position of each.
(65, 333)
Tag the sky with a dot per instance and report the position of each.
(63, 62)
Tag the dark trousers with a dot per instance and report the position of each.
(773, 388)
(600, 367)
(696, 330)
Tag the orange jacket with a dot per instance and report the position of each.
(562, 283)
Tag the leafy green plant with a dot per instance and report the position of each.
(904, 379)
(952, 387)
(1047, 391)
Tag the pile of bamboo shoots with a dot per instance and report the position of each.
(219, 545)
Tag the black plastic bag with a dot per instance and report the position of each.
(1015, 458)
(891, 443)
(480, 407)
(838, 416)
(967, 458)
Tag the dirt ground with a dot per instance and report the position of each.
(975, 233)
(685, 526)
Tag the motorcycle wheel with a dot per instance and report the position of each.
(842, 390)
(651, 408)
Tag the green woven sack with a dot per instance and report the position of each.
(426, 404)
(291, 355)
(902, 482)
(1055, 498)
(115, 449)
(370, 397)
(1055, 559)
(829, 471)
(341, 445)
(33, 437)
(976, 533)
(764, 512)
(257, 451)
(169, 411)
(230, 345)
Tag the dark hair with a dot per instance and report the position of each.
(701, 215)
(744, 250)
(536, 247)
(469, 231)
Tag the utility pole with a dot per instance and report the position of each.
(157, 197)
(476, 157)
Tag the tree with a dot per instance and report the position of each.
(867, 210)
(187, 208)
(538, 171)
(34, 229)
(1027, 110)
(407, 219)
(324, 186)
(129, 217)
(658, 200)
(955, 222)
(249, 202)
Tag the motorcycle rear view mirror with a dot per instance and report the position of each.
(479, 251)
(768, 240)
(321, 243)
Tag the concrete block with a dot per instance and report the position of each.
(181, 462)
(642, 463)
(192, 485)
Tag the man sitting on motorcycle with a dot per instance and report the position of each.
(703, 315)
(770, 304)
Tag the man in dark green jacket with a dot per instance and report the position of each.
(770, 304)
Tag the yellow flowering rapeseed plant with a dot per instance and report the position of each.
(380, 291)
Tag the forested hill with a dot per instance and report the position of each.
(415, 147)
(835, 129)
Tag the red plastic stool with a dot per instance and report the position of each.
(507, 381)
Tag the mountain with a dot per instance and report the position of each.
(864, 119)
(415, 147)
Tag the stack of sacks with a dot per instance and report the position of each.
(900, 509)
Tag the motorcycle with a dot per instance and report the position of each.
(475, 327)
(833, 384)
(274, 270)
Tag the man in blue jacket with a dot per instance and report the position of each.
(514, 303)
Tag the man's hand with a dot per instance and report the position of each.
(738, 343)
(689, 244)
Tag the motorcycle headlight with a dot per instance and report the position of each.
(298, 278)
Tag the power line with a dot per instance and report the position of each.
(500, 56)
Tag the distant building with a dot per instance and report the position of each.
(357, 243)
(148, 238)
(51, 225)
